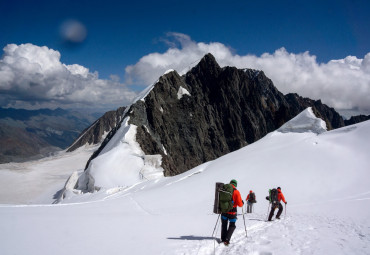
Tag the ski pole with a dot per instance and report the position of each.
(216, 224)
(246, 234)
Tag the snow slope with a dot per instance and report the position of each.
(324, 177)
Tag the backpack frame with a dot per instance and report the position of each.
(252, 197)
(273, 197)
(223, 198)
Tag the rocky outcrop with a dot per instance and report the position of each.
(94, 134)
(329, 115)
(356, 119)
(211, 111)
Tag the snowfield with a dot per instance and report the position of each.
(324, 176)
(38, 181)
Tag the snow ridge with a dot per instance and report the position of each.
(121, 163)
(304, 122)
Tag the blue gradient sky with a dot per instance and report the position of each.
(294, 42)
(119, 33)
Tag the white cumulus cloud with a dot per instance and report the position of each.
(33, 76)
(342, 84)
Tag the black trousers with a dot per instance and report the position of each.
(273, 207)
(227, 230)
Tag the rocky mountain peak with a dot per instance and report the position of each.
(207, 66)
(206, 113)
(208, 61)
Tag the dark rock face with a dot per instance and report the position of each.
(94, 133)
(356, 119)
(222, 114)
(211, 111)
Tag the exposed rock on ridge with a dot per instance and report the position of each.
(356, 119)
(223, 110)
(94, 134)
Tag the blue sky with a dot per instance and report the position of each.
(120, 33)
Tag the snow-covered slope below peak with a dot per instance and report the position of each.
(325, 180)
(306, 121)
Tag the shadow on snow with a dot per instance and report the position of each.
(197, 238)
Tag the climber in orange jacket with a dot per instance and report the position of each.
(280, 197)
(230, 216)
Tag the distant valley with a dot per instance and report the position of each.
(32, 134)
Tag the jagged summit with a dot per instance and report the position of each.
(206, 70)
(208, 62)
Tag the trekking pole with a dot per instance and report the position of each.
(216, 224)
(285, 212)
(268, 209)
(245, 227)
(214, 241)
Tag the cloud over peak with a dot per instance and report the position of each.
(343, 83)
(34, 77)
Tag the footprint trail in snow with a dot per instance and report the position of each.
(291, 235)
